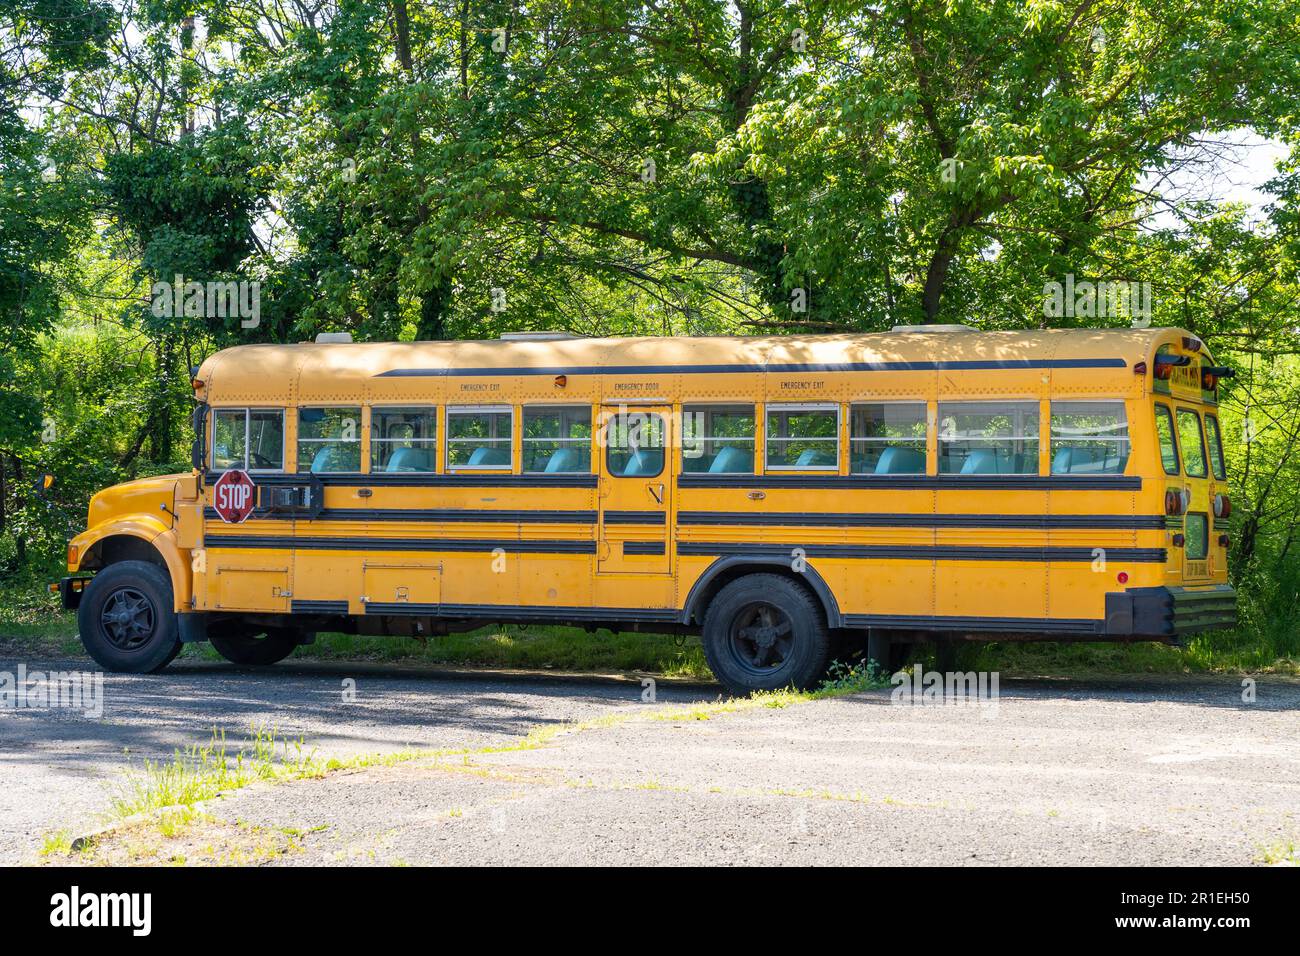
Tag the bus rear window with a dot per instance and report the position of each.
(1216, 447)
(1189, 437)
(1165, 433)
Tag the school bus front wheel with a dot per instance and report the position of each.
(126, 620)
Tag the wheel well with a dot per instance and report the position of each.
(122, 547)
(809, 580)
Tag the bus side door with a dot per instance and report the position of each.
(634, 532)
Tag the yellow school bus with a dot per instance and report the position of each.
(770, 494)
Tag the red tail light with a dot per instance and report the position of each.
(1222, 506)
(1174, 502)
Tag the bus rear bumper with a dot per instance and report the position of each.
(1170, 612)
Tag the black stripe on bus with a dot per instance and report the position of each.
(419, 479)
(892, 520)
(643, 547)
(963, 365)
(318, 607)
(515, 516)
(635, 517)
(925, 482)
(290, 543)
(924, 552)
(527, 612)
(1008, 624)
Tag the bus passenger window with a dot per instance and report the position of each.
(803, 437)
(1165, 433)
(634, 445)
(403, 439)
(329, 439)
(887, 439)
(557, 439)
(988, 438)
(480, 436)
(252, 439)
(718, 439)
(1216, 447)
(1089, 438)
(1189, 436)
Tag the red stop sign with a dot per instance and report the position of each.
(234, 496)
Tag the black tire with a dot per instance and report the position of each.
(255, 648)
(764, 632)
(126, 618)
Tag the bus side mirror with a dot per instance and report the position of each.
(200, 443)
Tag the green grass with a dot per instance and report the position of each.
(534, 647)
(201, 772)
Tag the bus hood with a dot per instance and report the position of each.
(142, 496)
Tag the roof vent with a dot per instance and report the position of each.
(333, 338)
(933, 328)
(537, 336)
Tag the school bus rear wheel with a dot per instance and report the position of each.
(763, 632)
(126, 619)
(250, 646)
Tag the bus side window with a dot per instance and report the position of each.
(1189, 436)
(557, 439)
(1165, 433)
(887, 439)
(1089, 438)
(803, 437)
(988, 438)
(1216, 447)
(403, 439)
(718, 439)
(480, 436)
(252, 439)
(329, 439)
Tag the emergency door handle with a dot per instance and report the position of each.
(657, 492)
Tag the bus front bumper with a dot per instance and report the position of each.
(70, 591)
(1171, 612)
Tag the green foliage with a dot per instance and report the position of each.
(458, 169)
